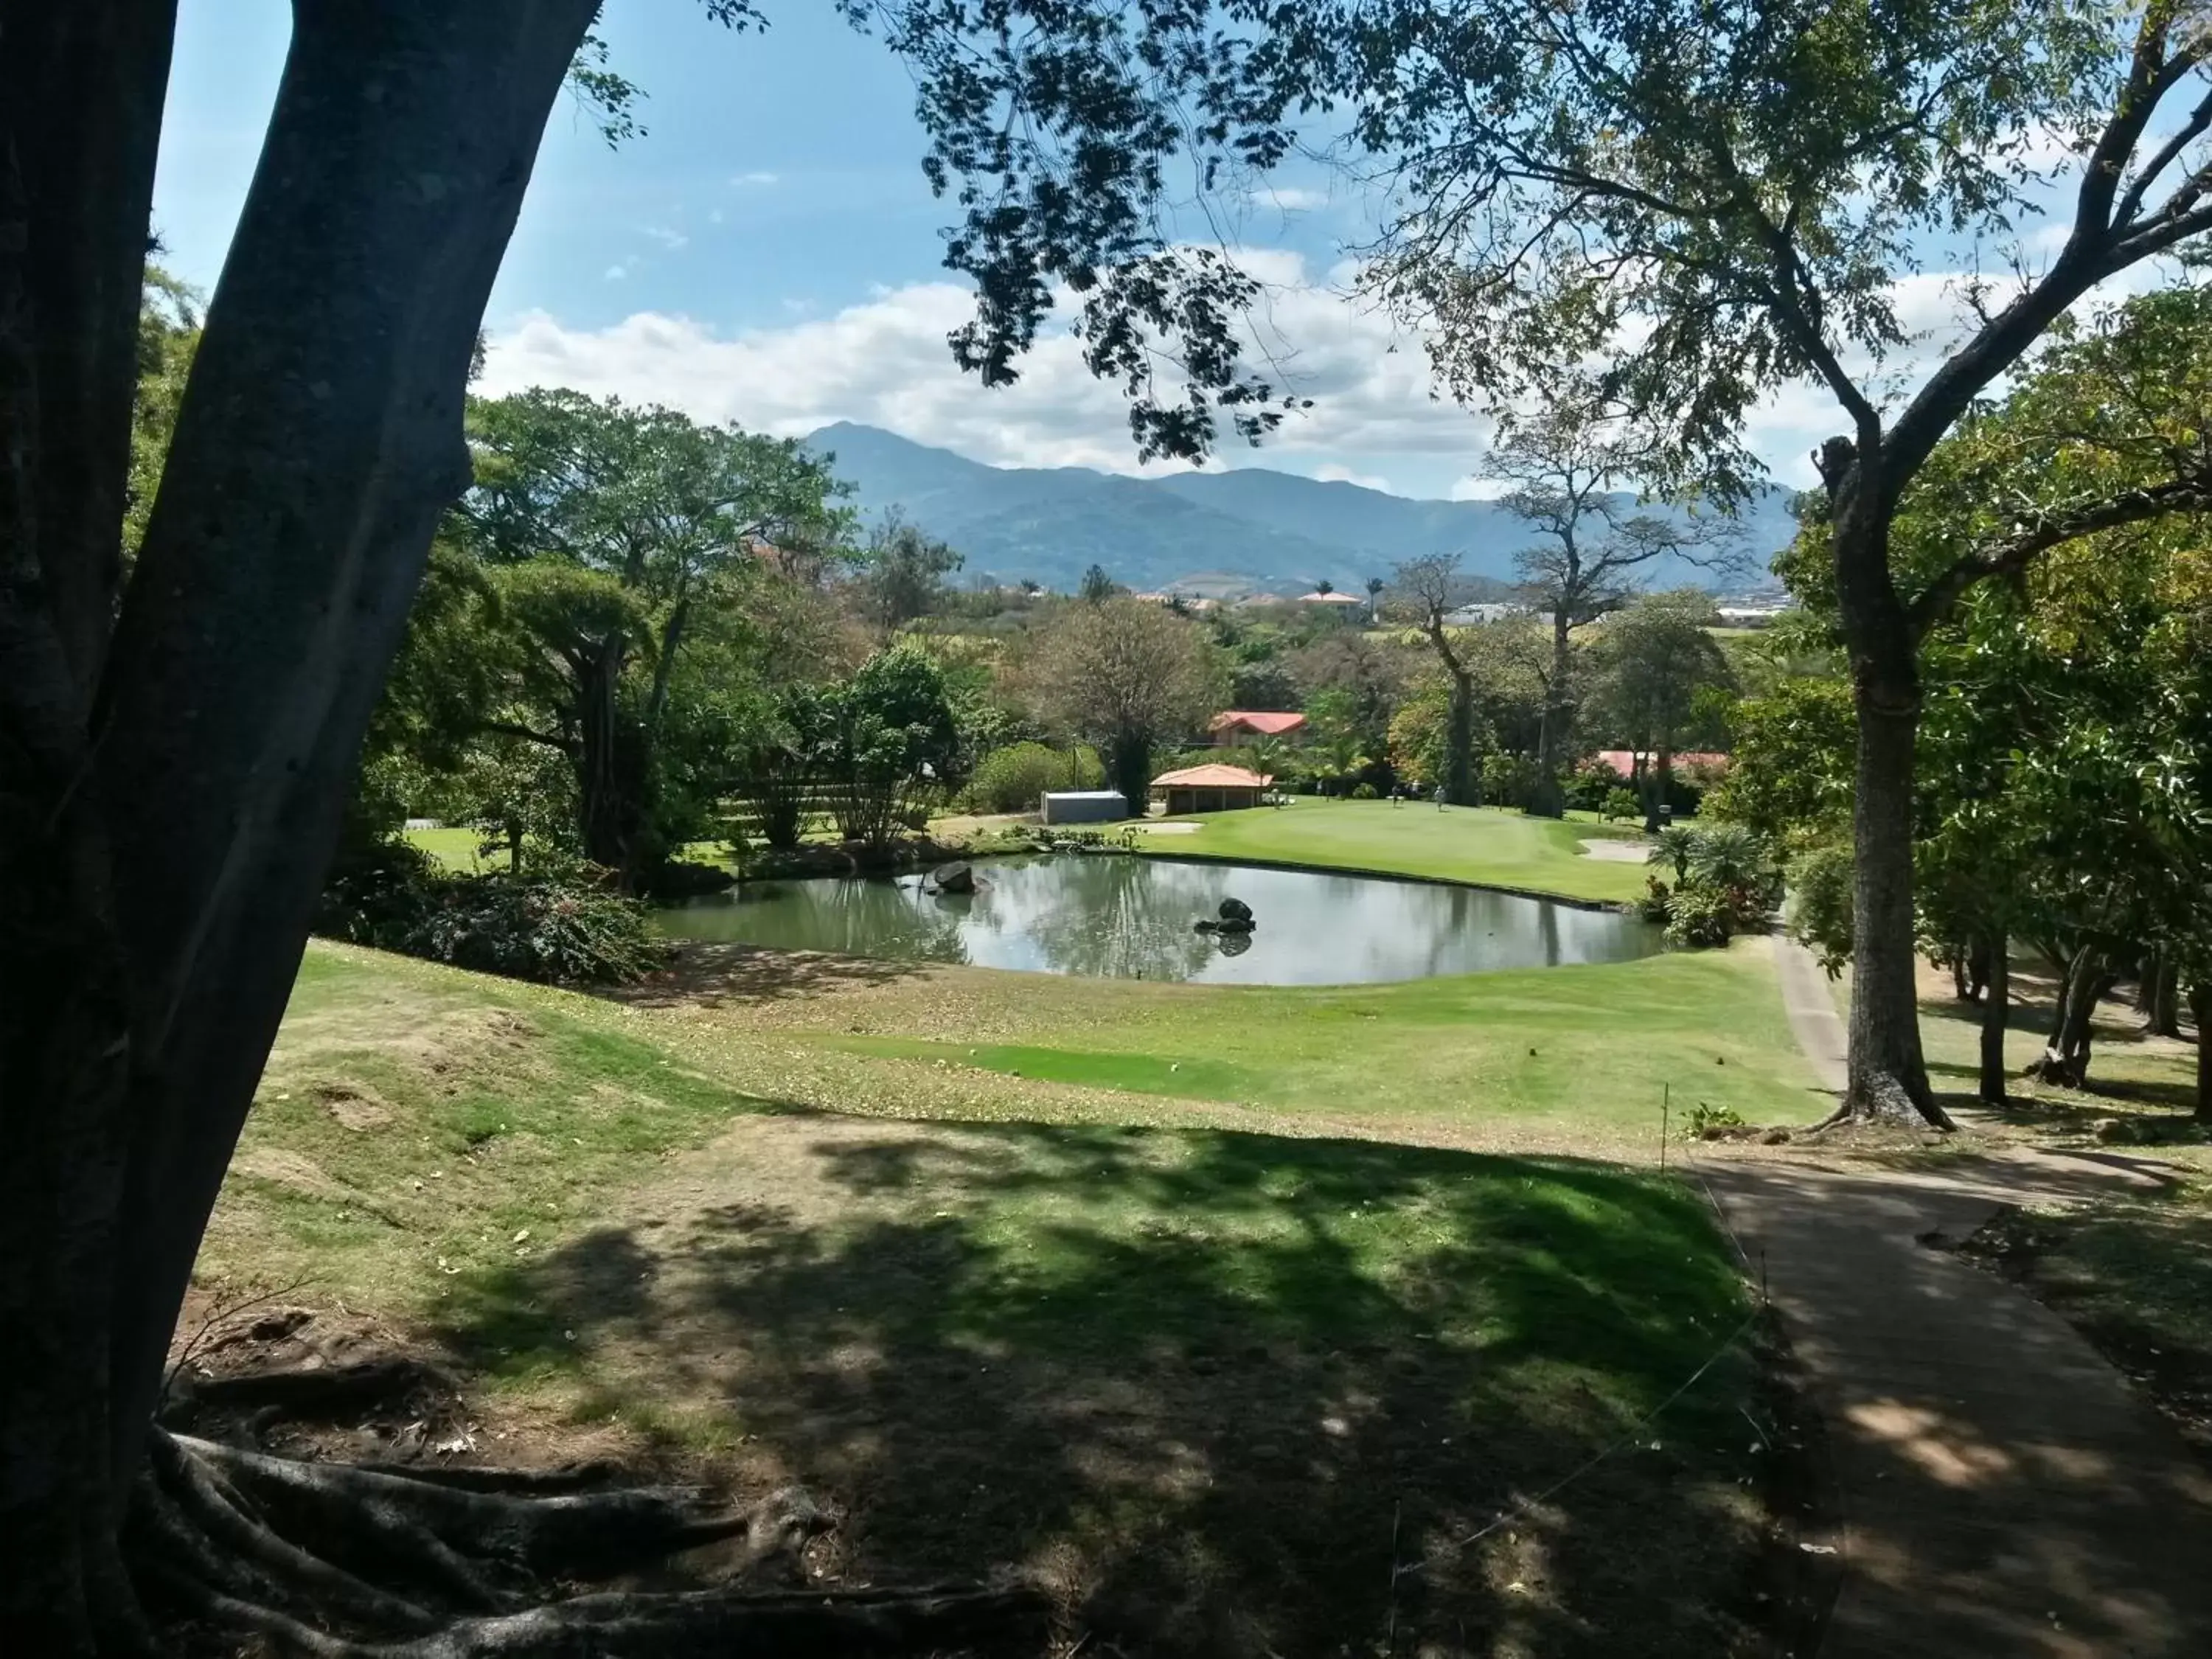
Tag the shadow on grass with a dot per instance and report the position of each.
(705, 975)
(1205, 1387)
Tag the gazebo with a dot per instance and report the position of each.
(1212, 788)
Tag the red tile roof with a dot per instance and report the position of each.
(1211, 777)
(1623, 760)
(1267, 723)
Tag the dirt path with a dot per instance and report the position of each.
(2001, 1489)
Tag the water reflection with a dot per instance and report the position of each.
(1130, 918)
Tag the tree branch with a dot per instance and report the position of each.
(2190, 493)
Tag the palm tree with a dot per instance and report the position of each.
(1374, 586)
(1677, 844)
(1345, 755)
(1731, 855)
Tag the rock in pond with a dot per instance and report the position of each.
(1235, 909)
(1236, 925)
(1204, 924)
(953, 878)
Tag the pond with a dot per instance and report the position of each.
(1130, 918)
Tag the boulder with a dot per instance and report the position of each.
(1235, 925)
(1234, 909)
(953, 878)
(1204, 924)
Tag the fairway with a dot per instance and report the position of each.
(1099, 1336)
(1490, 846)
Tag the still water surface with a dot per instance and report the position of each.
(1130, 918)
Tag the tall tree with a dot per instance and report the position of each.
(617, 531)
(1653, 663)
(1427, 590)
(1128, 676)
(902, 574)
(1566, 462)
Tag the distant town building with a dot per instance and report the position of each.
(1475, 615)
(1242, 726)
(1749, 616)
(1339, 600)
(1213, 788)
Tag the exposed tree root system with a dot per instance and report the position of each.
(438, 1561)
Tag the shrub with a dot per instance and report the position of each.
(1652, 907)
(1733, 856)
(1698, 917)
(555, 928)
(1365, 792)
(1010, 780)
(1618, 803)
(1704, 1121)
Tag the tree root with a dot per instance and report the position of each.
(318, 1391)
(340, 1562)
(1883, 1098)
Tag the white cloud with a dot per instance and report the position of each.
(1289, 198)
(754, 179)
(669, 238)
(883, 362)
(616, 271)
(714, 216)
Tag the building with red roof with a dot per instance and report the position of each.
(1212, 788)
(1235, 726)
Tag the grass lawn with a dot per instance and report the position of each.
(1569, 1059)
(1190, 1380)
(1490, 846)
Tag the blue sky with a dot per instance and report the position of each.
(770, 253)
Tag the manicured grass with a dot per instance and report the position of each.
(1192, 1380)
(455, 848)
(1573, 1056)
(1489, 846)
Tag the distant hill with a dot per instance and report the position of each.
(1214, 533)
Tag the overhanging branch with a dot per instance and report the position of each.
(2191, 494)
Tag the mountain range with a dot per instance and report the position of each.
(1216, 533)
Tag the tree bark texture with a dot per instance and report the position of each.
(1996, 1010)
(1889, 1071)
(168, 805)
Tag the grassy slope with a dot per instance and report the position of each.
(1486, 845)
(1187, 1376)
(1573, 1056)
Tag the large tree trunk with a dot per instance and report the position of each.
(2161, 999)
(1997, 1009)
(1888, 1073)
(1461, 788)
(157, 893)
(81, 96)
(1549, 800)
